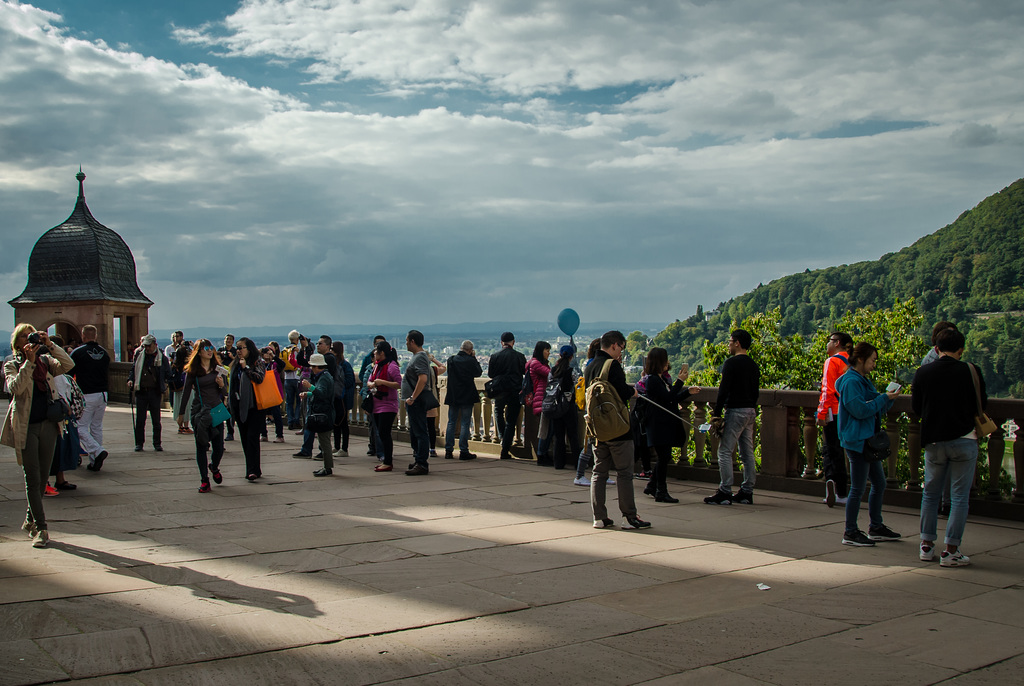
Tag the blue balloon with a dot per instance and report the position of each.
(568, 321)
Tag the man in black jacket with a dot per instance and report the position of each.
(737, 392)
(461, 395)
(507, 367)
(944, 396)
(92, 364)
(616, 453)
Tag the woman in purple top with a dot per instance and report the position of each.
(384, 382)
(204, 377)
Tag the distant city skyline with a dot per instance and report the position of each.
(460, 160)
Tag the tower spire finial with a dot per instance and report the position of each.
(81, 186)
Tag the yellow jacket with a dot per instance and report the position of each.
(19, 382)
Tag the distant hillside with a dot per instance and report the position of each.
(969, 272)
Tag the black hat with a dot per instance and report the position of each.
(508, 337)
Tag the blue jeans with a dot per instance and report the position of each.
(860, 472)
(416, 414)
(739, 428)
(465, 423)
(291, 400)
(586, 459)
(956, 460)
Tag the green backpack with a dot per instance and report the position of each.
(606, 415)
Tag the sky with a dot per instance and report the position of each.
(442, 161)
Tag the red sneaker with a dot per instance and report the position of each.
(383, 468)
(204, 487)
(50, 490)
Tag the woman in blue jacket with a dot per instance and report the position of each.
(861, 407)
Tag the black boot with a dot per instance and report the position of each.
(664, 497)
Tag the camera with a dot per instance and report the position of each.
(35, 339)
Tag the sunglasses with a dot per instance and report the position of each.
(208, 348)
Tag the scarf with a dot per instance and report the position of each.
(39, 373)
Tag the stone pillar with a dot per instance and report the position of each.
(700, 411)
(810, 444)
(774, 446)
(996, 450)
(914, 454)
(892, 428)
(792, 441)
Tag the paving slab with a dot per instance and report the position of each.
(100, 652)
(414, 608)
(803, 664)
(517, 633)
(939, 638)
(560, 585)
(576, 664)
(352, 662)
(26, 663)
(723, 637)
(698, 597)
(1004, 605)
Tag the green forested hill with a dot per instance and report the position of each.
(970, 272)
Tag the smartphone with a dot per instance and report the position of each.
(893, 387)
(684, 370)
(704, 428)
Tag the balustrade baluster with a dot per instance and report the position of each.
(700, 411)
(810, 444)
(996, 450)
(892, 428)
(914, 454)
(792, 441)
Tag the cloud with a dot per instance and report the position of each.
(627, 159)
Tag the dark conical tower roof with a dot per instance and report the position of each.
(81, 260)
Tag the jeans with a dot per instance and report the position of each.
(833, 459)
(861, 471)
(385, 442)
(416, 414)
(147, 401)
(608, 455)
(586, 459)
(739, 428)
(341, 430)
(948, 462)
(291, 400)
(90, 426)
(506, 416)
(36, 458)
(659, 479)
(463, 414)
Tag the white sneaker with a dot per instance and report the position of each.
(927, 551)
(840, 501)
(948, 559)
(611, 481)
(341, 453)
(830, 493)
(40, 539)
(581, 481)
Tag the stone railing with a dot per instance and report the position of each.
(788, 441)
(787, 438)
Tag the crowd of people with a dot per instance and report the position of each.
(240, 389)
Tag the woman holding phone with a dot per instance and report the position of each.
(247, 369)
(205, 377)
(861, 407)
(30, 427)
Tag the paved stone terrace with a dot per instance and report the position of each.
(484, 572)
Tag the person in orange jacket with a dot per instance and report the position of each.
(833, 460)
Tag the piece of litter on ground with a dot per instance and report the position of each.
(763, 587)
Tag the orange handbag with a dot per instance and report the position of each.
(268, 394)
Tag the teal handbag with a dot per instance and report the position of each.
(219, 414)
